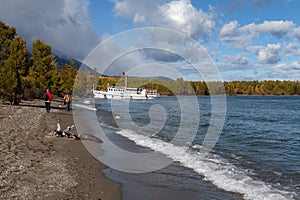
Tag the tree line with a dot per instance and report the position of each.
(25, 74)
(182, 87)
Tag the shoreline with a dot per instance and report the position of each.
(174, 181)
(38, 165)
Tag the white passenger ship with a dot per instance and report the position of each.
(125, 92)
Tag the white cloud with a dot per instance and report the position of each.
(275, 28)
(270, 54)
(287, 71)
(229, 28)
(291, 50)
(254, 49)
(236, 62)
(240, 60)
(296, 33)
(233, 35)
(295, 66)
(138, 18)
(109, 57)
(180, 15)
(63, 24)
(117, 56)
(129, 8)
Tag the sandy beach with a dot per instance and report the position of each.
(38, 165)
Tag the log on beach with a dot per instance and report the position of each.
(36, 165)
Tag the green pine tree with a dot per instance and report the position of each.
(67, 77)
(7, 35)
(43, 65)
(16, 69)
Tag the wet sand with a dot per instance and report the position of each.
(37, 165)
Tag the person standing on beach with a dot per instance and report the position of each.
(47, 97)
(68, 101)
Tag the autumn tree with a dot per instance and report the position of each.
(67, 77)
(82, 85)
(43, 65)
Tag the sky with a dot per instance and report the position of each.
(239, 39)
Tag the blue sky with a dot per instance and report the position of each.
(246, 40)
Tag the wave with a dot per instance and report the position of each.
(87, 102)
(215, 169)
(86, 106)
(109, 126)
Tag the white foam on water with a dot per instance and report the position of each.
(87, 102)
(108, 126)
(214, 169)
(87, 107)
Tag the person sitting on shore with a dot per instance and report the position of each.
(47, 97)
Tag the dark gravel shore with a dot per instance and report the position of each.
(37, 165)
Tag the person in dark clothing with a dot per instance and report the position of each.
(47, 97)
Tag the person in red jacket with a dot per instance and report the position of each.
(47, 97)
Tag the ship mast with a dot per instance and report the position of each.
(125, 76)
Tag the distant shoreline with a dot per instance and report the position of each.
(239, 95)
